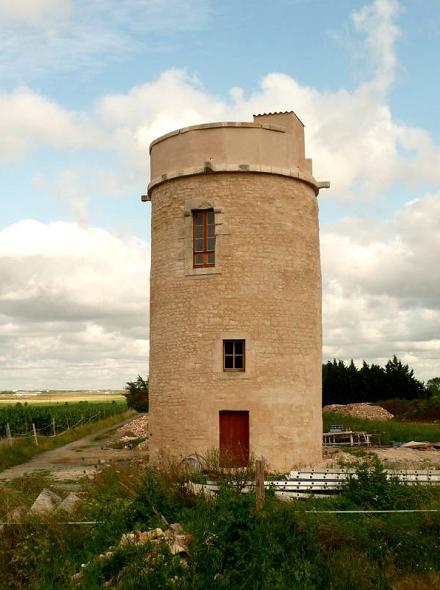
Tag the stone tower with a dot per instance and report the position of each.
(235, 308)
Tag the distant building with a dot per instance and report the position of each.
(235, 308)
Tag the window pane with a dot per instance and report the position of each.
(198, 233)
(198, 217)
(211, 244)
(229, 346)
(238, 347)
(198, 245)
(210, 215)
(229, 362)
(198, 259)
(238, 362)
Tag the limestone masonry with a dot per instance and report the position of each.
(235, 308)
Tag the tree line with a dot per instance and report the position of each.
(345, 383)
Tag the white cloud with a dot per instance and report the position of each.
(352, 135)
(73, 297)
(34, 12)
(73, 304)
(382, 287)
(65, 35)
(28, 120)
(377, 22)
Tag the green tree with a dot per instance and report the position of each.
(400, 381)
(344, 384)
(136, 394)
(433, 387)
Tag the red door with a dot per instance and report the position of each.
(234, 438)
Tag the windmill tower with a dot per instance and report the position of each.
(235, 308)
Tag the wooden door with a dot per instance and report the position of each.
(234, 438)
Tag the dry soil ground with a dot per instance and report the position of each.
(83, 457)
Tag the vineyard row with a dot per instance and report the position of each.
(52, 419)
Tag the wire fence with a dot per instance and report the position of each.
(30, 422)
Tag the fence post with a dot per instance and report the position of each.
(259, 484)
(54, 428)
(8, 434)
(35, 434)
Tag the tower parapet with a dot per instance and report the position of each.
(272, 144)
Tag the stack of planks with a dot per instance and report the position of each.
(321, 483)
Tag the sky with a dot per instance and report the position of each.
(86, 85)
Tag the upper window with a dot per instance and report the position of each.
(233, 355)
(203, 238)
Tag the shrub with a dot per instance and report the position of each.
(370, 487)
(136, 394)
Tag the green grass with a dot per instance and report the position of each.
(386, 432)
(232, 546)
(24, 449)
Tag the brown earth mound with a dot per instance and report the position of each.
(367, 411)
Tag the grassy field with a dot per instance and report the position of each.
(386, 432)
(54, 397)
(287, 546)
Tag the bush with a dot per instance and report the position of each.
(136, 394)
(371, 488)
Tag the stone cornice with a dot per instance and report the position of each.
(209, 168)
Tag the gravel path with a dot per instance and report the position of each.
(83, 457)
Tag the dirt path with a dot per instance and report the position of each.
(83, 457)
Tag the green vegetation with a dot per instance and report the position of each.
(286, 546)
(136, 394)
(426, 410)
(344, 384)
(433, 387)
(386, 432)
(24, 449)
(21, 416)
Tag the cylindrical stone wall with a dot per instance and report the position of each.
(265, 289)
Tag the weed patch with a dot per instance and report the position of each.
(231, 545)
(386, 432)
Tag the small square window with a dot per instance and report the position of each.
(233, 355)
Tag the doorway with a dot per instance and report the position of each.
(234, 438)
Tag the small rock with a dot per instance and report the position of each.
(69, 504)
(46, 502)
(140, 537)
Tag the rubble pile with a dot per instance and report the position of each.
(173, 537)
(137, 428)
(362, 410)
